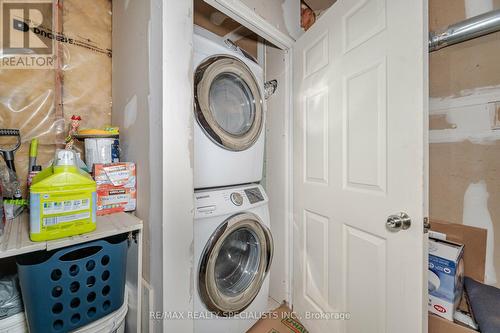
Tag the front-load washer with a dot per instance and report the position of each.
(229, 110)
(233, 249)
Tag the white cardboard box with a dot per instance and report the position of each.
(446, 273)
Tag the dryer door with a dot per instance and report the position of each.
(234, 264)
(228, 102)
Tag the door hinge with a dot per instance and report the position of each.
(427, 225)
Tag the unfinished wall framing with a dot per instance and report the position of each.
(40, 102)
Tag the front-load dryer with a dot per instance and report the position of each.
(233, 250)
(229, 112)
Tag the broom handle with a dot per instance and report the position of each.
(9, 160)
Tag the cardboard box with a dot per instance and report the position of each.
(115, 174)
(281, 320)
(474, 241)
(446, 274)
(115, 199)
(116, 187)
(441, 325)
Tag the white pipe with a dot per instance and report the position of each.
(471, 28)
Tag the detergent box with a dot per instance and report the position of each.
(114, 199)
(116, 187)
(62, 200)
(446, 273)
(115, 174)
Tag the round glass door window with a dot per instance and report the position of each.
(232, 104)
(228, 103)
(238, 262)
(234, 264)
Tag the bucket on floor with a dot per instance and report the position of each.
(112, 323)
(68, 288)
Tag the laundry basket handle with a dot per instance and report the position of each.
(73, 252)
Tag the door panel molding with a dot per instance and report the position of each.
(370, 118)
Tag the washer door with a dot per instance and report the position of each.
(228, 102)
(234, 264)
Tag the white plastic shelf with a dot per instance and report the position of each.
(16, 241)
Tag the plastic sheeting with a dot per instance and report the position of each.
(10, 296)
(40, 102)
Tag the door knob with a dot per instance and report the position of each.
(398, 222)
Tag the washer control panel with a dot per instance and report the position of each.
(228, 200)
(236, 198)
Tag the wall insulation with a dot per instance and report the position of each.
(40, 102)
(464, 123)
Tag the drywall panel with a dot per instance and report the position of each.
(477, 7)
(464, 135)
(137, 109)
(445, 12)
(465, 188)
(177, 165)
(463, 66)
(277, 169)
(475, 123)
(130, 101)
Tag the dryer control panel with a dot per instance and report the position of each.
(228, 200)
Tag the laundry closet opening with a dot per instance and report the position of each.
(241, 173)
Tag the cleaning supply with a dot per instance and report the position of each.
(62, 200)
(34, 171)
(13, 204)
(33, 154)
(8, 150)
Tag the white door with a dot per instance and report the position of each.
(360, 118)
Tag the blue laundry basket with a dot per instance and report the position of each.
(65, 289)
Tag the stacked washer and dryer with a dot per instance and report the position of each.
(233, 245)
